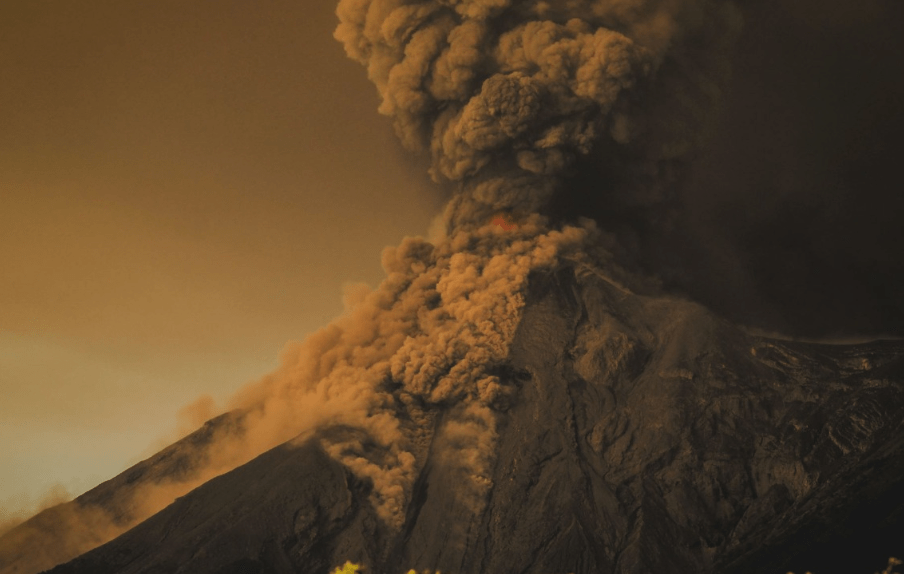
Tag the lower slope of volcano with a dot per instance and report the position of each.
(647, 435)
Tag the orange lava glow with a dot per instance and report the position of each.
(503, 222)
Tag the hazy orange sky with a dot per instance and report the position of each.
(184, 187)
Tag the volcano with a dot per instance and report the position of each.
(646, 435)
(522, 396)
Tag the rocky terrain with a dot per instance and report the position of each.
(647, 435)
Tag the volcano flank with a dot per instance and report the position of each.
(646, 435)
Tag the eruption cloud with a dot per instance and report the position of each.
(428, 340)
(505, 97)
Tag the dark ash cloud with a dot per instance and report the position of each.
(792, 215)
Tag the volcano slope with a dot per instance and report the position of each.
(647, 435)
(67, 530)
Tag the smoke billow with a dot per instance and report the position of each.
(506, 96)
(427, 341)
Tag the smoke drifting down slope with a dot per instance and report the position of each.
(428, 338)
(647, 435)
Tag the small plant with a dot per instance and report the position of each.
(350, 568)
(347, 568)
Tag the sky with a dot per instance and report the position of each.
(792, 214)
(184, 188)
(187, 186)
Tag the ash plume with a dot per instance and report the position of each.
(506, 96)
(425, 342)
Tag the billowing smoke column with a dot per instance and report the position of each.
(428, 340)
(506, 94)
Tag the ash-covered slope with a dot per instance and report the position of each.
(647, 435)
(64, 531)
(284, 511)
